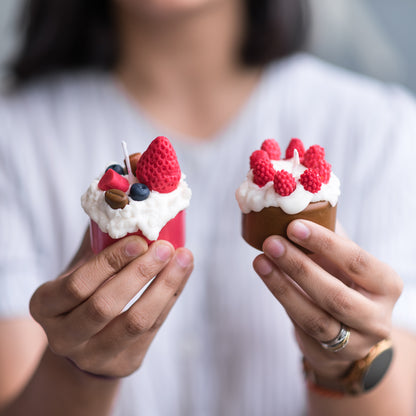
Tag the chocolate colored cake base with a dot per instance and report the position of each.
(257, 226)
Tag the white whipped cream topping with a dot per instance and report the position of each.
(148, 216)
(251, 197)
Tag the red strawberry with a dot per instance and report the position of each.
(312, 155)
(284, 182)
(257, 155)
(311, 180)
(158, 167)
(295, 144)
(112, 180)
(263, 172)
(272, 148)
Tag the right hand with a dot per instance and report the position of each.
(81, 311)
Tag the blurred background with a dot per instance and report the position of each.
(374, 37)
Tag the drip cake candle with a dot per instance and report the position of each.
(278, 191)
(146, 197)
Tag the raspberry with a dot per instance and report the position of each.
(313, 154)
(295, 144)
(284, 182)
(311, 180)
(158, 166)
(112, 180)
(263, 172)
(272, 148)
(323, 168)
(257, 155)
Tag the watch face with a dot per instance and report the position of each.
(377, 369)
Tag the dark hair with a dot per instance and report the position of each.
(75, 34)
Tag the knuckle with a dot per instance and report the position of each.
(317, 326)
(137, 323)
(145, 269)
(280, 288)
(35, 304)
(382, 330)
(338, 303)
(58, 345)
(74, 289)
(111, 260)
(296, 267)
(171, 283)
(396, 286)
(100, 309)
(358, 262)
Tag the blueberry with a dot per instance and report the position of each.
(139, 192)
(117, 168)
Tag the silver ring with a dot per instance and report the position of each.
(339, 342)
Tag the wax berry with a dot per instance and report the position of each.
(323, 168)
(158, 166)
(112, 180)
(139, 192)
(284, 182)
(257, 155)
(117, 168)
(311, 180)
(295, 144)
(272, 148)
(263, 172)
(313, 154)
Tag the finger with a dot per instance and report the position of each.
(329, 293)
(183, 259)
(62, 295)
(308, 315)
(329, 363)
(110, 299)
(149, 311)
(360, 266)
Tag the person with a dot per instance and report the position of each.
(217, 77)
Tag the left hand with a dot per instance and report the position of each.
(339, 282)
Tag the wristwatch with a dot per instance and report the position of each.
(361, 377)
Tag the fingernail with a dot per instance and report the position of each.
(263, 267)
(300, 230)
(183, 258)
(163, 251)
(133, 248)
(275, 248)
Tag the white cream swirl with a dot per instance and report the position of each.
(149, 216)
(251, 197)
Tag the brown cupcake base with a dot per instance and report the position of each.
(257, 226)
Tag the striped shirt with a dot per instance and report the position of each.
(227, 348)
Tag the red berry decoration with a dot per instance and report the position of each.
(257, 155)
(323, 168)
(295, 144)
(284, 182)
(311, 180)
(313, 155)
(272, 148)
(263, 172)
(112, 180)
(158, 167)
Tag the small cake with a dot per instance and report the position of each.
(147, 197)
(278, 191)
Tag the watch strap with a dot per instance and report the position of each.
(361, 376)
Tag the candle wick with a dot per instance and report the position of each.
(127, 159)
